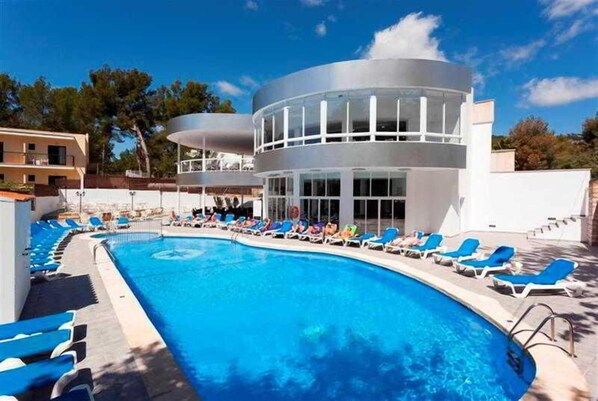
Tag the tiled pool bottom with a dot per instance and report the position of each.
(274, 325)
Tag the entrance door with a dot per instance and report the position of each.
(57, 155)
(1, 152)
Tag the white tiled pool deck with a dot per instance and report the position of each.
(124, 362)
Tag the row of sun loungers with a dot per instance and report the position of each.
(465, 259)
(47, 338)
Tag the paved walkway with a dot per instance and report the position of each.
(107, 363)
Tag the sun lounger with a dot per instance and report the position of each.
(53, 343)
(282, 232)
(499, 261)
(19, 378)
(339, 240)
(73, 224)
(295, 234)
(96, 224)
(214, 222)
(466, 251)
(359, 241)
(38, 325)
(429, 247)
(229, 218)
(270, 229)
(389, 235)
(122, 222)
(552, 278)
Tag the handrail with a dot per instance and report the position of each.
(551, 318)
(36, 159)
(95, 248)
(242, 163)
(527, 311)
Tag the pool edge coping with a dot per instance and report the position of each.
(557, 376)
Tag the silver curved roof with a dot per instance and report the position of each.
(365, 74)
(231, 133)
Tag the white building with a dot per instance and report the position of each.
(379, 143)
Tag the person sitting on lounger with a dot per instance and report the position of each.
(345, 233)
(329, 230)
(173, 219)
(407, 241)
(266, 226)
(300, 227)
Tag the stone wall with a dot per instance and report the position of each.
(593, 214)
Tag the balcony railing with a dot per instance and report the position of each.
(37, 159)
(240, 163)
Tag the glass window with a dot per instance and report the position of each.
(359, 215)
(380, 184)
(295, 124)
(333, 210)
(386, 114)
(337, 115)
(359, 114)
(371, 225)
(398, 184)
(279, 127)
(312, 121)
(434, 117)
(361, 184)
(333, 184)
(289, 187)
(258, 135)
(268, 129)
(409, 114)
(386, 214)
(306, 185)
(319, 185)
(453, 114)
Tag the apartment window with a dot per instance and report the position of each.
(268, 126)
(1, 152)
(30, 146)
(453, 114)
(386, 114)
(279, 128)
(312, 122)
(320, 196)
(31, 178)
(1, 177)
(57, 155)
(280, 193)
(295, 124)
(409, 108)
(435, 113)
(337, 117)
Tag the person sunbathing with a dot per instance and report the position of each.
(329, 230)
(266, 226)
(407, 241)
(345, 233)
(300, 227)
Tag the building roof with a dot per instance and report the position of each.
(37, 133)
(16, 196)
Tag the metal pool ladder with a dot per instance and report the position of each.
(515, 358)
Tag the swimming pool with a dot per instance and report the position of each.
(247, 323)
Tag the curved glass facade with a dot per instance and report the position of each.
(361, 115)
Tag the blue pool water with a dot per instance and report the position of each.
(256, 324)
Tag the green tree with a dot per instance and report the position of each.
(9, 101)
(35, 104)
(534, 144)
(589, 131)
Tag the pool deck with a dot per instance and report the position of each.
(123, 357)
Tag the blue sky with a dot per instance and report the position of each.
(534, 56)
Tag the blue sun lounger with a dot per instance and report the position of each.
(552, 278)
(123, 222)
(429, 247)
(466, 251)
(272, 229)
(360, 241)
(497, 262)
(72, 223)
(282, 232)
(389, 235)
(53, 343)
(38, 325)
(229, 218)
(95, 223)
(56, 372)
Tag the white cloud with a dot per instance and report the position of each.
(517, 54)
(228, 88)
(251, 5)
(321, 29)
(331, 18)
(559, 90)
(564, 8)
(249, 82)
(578, 26)
(411, 37)
(313, 3)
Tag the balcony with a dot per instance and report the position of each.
(230, 171)
(239, 163)
(37, 159)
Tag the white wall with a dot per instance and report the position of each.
(14, 266)
(524, 200)
(44, 205)
(432, 203)
(142, 199)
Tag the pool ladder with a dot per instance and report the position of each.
(515, 358)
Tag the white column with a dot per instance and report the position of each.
(297, 190)
(285, 125)
(423, 117)
(203, 154)
(323, 119)
(346, 202)
(262, 133)
(203, 200)
(178, 157)
(398, 117)
(265, 199)
(443, 117)
(178, 199)
(373, 117)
